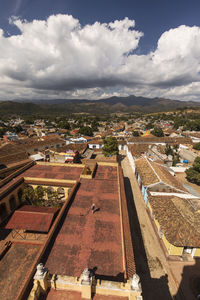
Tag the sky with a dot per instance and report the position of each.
(67, 49)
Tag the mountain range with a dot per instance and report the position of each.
(109, 105)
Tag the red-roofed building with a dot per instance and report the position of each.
(32, 218)
(83, 248)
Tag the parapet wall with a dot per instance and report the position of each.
(88, 286)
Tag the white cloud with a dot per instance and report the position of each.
(58, 57)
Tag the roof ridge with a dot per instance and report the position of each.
(153, 169)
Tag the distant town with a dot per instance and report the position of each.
(97, 206)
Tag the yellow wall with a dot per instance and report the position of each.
(157, 224)
(197, 252)
(149, 206)
(7, 198)
(171, 249)
(167, 244)
(176, 250)
(61, 164)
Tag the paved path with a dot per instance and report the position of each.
(152, 267)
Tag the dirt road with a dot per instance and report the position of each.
(152, 267)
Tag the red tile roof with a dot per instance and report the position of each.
(32, 218)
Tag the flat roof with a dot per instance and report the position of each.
(73, 295)
(63, 295)
(54, 172)
(32, 218)
(91, 240)
(14, 267)
(106, 173)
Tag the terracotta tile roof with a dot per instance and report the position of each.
(32, 218)
(96, 142)
(138, 149)
(10, 154)
(145, 171)
(161, 148)
(151, 172)
(31, 143)
(178, 220)
(154, 139)
(76, 147)
(166, 177)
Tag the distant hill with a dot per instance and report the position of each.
(110, 105)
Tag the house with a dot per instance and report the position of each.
(10, 137)
(33, 145)
(178, 224)
(174, 211)
(154, 176)
(78, 140)
(96, 144)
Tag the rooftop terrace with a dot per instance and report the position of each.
(14, 267)
(91, 240)
(54, 172)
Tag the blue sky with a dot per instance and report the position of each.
(155, 55)
(152, 17)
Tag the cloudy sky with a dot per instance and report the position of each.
(94, 49)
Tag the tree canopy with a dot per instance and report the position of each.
(193, 173)
(41, 196)
(110, 146)
(157, 131)
(196, 146)
(136, 133)
(86, 130)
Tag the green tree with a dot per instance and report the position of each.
(2, 131)
(196, 146)
(149, 125)
(136, 133)
(37, 197)
(110, 146)
(18, 128)
(193, 173)
(86, 130)
(196, 164)
(29, 195)
(169, 150)
(157, 131)
(64, 125)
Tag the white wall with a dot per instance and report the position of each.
(130, 158)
